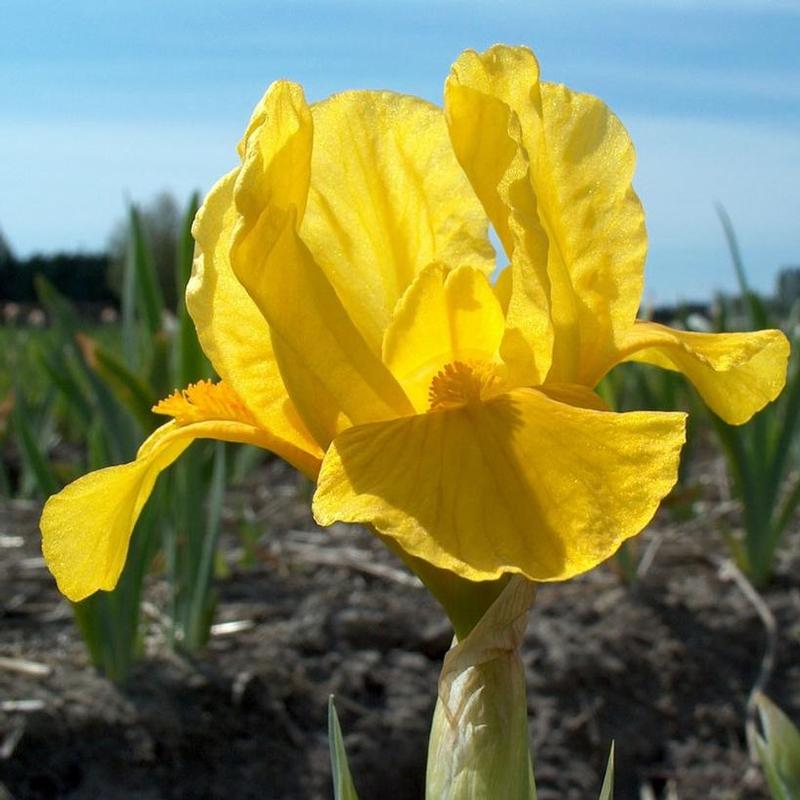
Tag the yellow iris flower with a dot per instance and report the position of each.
(343, 290)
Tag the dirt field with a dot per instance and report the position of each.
(664, 670)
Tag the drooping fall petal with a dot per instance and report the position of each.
(521, 483)
(574, 394)
(387, 198)
(232, 331)
(332, 375)
(442, 318)
(736, 374)
(86, 527)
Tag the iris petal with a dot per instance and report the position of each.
(387, 198)
(595, 224)
(232, 331)
(331, 373)
(487, 138)
(736, 374)
(578, 212)
(87, 526)
(521, 483)
(442, 318)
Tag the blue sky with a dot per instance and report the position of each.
(103, 101)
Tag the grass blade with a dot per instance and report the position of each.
(607, 790)
(32, 454)
(201, 599)
(343, 788)
(122, 434)
(148, 293)
(131, 391)
(778, 750)
(758, 312)
(190, 363)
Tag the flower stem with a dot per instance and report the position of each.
(464, 602)
(478, 747)
(479, 738)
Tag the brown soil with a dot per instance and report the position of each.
(663, 669)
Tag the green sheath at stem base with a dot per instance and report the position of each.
(479, 738)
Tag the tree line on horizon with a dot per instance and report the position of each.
(96, 278)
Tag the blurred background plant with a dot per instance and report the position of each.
(762, 456)
(78, 396)
(632, 387)
(81, 365)
(778, 747)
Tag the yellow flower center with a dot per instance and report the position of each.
(461, 384)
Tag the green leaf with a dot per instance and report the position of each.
(343, 788)
(789, 420)
(96, 447)
(122, 436)
(758, 313)
(62, 312)
(148, 289)
(5, 481)
(625, 559)
(190, 363)
(778, 789)
(33, 457)
(788, 508)
(202, 599)
(63, 378)
(130, 330)
(779, 750)
(132, 392)
(185, 254)
(607, 790)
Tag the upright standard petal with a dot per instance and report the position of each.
(276, 169)
(581, 164)
(387, 198)
(481, 98)
(86, 527)
(441, 319)
(232, 331)
(594, 220)
(332, 375)
(736, 374)
(521, 483)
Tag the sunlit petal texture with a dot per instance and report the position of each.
(580, 168)
(442, 318)
(232, 331)
(332, 375)
(521, 483)
(276, 169)
(595, 224)
(343, 290)
(736, 374)
(488, 141)
(87, 526)
(387, 198)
